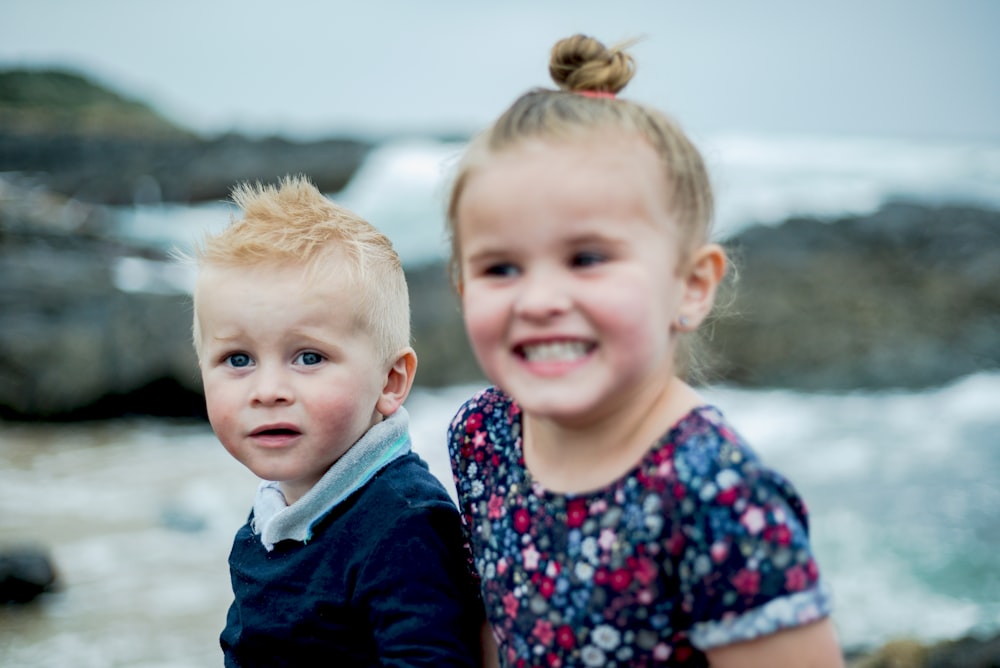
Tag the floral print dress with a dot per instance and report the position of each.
(698, 546)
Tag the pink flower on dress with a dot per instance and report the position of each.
(576, 512)
(780, 534)
(727, 497)
(495, 507)
(753, 520)
(643, 569)
(546, 587)
(565, 637)
(510, 604)
(543, 631)
(746, 581)
(662, 651)
(474, 422)
(796, 578)
(530, 556)
(719, 551)
(522, 520)
(607, 539)
(620, 579)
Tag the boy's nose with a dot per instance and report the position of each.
(270, 386)
(542, 295)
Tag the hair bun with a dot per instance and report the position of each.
(581, 63)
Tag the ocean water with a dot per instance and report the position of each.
(139, 514)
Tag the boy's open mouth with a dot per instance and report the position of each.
(276, 431)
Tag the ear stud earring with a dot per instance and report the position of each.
(683, 322)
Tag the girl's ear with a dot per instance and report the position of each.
(704, 274)
(398, 382)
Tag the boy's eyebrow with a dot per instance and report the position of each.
(221, 338)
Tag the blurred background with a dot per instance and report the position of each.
(855, 151)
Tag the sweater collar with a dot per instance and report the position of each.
(276, 521)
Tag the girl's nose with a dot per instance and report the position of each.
(542, 295)
(270, 387)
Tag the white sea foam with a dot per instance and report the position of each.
(401, 187)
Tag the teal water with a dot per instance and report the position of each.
(139, 514)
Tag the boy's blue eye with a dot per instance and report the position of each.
(238, 360)
(310, 358)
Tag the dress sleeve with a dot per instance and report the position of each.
(424, 608)
(746, 567)
(465, 468)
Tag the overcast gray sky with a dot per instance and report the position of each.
(917, 68)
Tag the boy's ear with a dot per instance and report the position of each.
(704, 274)
(398, 382)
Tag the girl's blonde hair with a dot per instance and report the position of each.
(294, 223)
(589, 76)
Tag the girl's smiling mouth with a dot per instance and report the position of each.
(554, 351)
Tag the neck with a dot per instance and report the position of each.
(580, 457)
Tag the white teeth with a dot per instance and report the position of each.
(562, 351)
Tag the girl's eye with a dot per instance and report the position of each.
(587, 259)
(238, 360)
(310, 358)
(501, 269)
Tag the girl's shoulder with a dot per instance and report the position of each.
(706, 436)
(705, 421)
(489, 403)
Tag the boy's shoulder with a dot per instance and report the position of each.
(408, 482)
(404, 500)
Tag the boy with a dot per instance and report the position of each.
(353, 554)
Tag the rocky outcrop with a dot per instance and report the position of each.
(87, 142)
(907, 297)
(71, 341)
(125, 169)
(967, 652)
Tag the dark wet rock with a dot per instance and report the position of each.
(126, 170)
(967, 652)
(907, 297)
(25, 574)
(72, 344)
(443, 351)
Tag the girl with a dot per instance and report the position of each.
(615, 518)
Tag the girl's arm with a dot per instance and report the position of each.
(812, 646)
(491, 655)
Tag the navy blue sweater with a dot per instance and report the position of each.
(384, 580)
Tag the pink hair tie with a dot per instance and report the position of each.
(596, 93)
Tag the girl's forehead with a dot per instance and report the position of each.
(598, 146)
(574, 174)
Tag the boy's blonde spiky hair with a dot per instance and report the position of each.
(292, 222)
